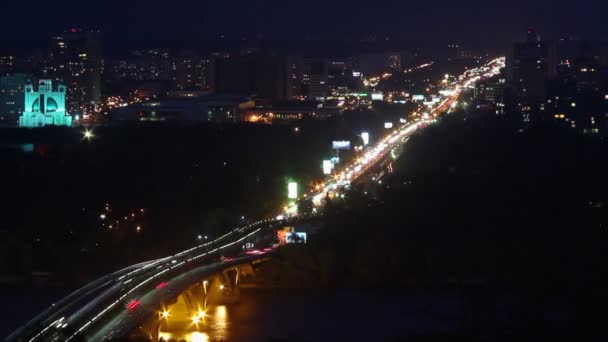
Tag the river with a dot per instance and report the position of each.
(345, 315)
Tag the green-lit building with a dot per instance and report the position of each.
(44, 106)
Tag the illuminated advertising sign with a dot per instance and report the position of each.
(327, 166)
(402, 120)
(292, 190)
(388, 125)
(377, 97)
(418, 98)
(295, 237)
(341, 145)
(365, 138)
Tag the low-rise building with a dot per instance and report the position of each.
(207, 108)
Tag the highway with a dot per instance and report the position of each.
(97, 310)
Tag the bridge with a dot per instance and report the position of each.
(183, 300)
(89, 312)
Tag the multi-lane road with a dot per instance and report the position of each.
(98, 309)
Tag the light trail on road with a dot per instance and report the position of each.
(133, 278)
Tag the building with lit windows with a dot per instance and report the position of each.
(191, 73)
(7, 65)
(76, 58)
(530, 65)
(206, 108)
(45, 106)
(11, 97)
(315, 78)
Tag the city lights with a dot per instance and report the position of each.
(327, 166)
(88, 134)
(138, 281)
(292, 190)
(365, 138)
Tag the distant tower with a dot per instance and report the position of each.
(76, 56)
(45, 106)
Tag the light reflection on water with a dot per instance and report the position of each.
(195, 336)
(214, 328)
(328, 316)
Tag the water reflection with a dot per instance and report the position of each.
(220, 323)
(262, 315)
(195, 336)
(213, 327)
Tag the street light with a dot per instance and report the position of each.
(88, 134)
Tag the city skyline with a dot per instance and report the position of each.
(192, 171)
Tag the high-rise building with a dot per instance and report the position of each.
(45, 106)
(492, 92)
(530, 65)
(77, 60)
(316, 75)
(142, 65)
(261, 75)
(192, 73)
(295, 67)
(378, 63)
(7, 65)
(11, 96)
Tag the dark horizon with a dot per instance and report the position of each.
(189, 24)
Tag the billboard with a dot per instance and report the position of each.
(292, 190)
(327, 166)
(295, 237)
(377, 97)
(365, 138)
(388, 125)
(418, 97)
(341, 145)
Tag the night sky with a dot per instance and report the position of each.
(479, 23)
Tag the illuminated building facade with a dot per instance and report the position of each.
(44, 106)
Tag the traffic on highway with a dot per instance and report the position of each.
(99, 310)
